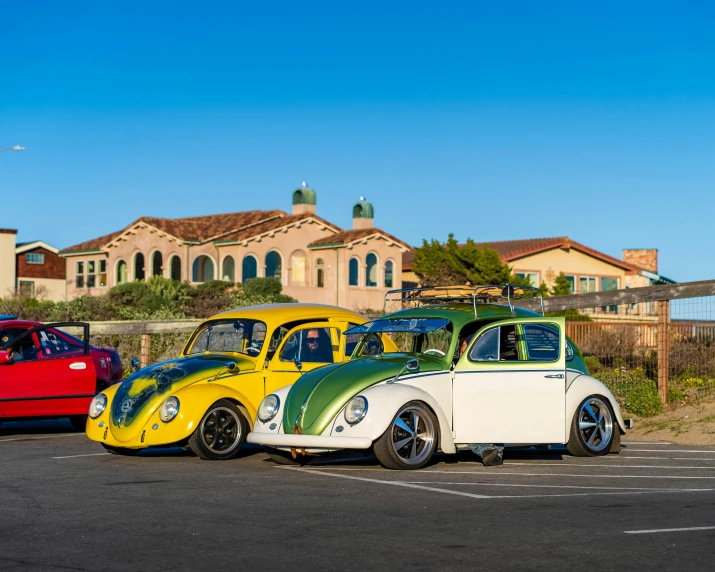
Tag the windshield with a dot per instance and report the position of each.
(430, 336)
(236, 336)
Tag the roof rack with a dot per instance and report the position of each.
(481, 294)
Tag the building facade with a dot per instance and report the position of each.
(315, 260)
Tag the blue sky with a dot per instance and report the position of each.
(489, 120)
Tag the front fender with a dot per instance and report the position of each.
(384, 401)
(196, 399)
(582, 387)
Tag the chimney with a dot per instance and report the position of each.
(304, 200)
(645, 258)
(363, 214)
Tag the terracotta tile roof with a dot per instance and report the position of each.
(201, 228)
(348, 236)
(510, 250)
(275, 224)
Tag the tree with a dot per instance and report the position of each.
(562, 286)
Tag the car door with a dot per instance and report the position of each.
(46, 376)
(510, 384)
(298, 353)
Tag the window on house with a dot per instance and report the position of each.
(103, 272)
(572, 282)
(79, 278)
(229, 271)
(121, 272)
(586, 284)
(371, 270)
(139, 267)
(91, 274)
(26, 289)
(203, 269)
(274, 266)
(35, 258)
(320, 273)
(533, 277)
(354, 272)
(249, 267)
(297, 268)
(606, 285)
(157, 264)
(389, 269)
(176, 268)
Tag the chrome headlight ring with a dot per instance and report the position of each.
(268, 408)
(356, 410)
(97, 405)
(169, 409)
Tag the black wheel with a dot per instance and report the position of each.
(410, 440)
(285, 457)
(221, 433)
(592, 428)
(79, 422)
(121, 451)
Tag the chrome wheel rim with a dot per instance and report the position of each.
(413, 435)
(221, 430)
(595, 424)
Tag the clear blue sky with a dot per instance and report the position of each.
(491, 120)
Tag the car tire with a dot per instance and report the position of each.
(401, 447)
(221, 432)
(123, 451)
(79, 423)
(593, 428)
(285, 458)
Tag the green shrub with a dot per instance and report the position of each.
(675, 394)
(633, 390)
(592, 364)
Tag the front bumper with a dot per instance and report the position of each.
(281, 440)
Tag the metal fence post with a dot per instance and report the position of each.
(145, 350)
(663, 342)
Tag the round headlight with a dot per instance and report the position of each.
(355, 410)
(169, 409)
(268, 408)
(99, 403)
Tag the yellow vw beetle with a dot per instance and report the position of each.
(208, 397)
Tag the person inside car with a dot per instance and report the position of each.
(317, 348)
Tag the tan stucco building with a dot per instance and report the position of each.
(315, 260)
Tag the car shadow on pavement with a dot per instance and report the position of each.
(39, 427)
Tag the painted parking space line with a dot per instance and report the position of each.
(497, 472)
(440, 490)
(579, 487)
(711, 451)
(43, 437)
(599, 466)
(627, 443)
(657, 530)
(85, 455)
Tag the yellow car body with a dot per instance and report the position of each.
(131, 419)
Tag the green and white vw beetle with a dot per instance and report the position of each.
(454, 367)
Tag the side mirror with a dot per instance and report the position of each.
(4, 357)
(413, 364)
(231, 366)
(135, 364)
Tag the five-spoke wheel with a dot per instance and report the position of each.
(221, 433)
(592, 428)
(410, 440)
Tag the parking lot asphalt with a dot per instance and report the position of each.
(67, 505)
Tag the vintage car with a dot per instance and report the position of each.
(207, 397)
(47, 373)
(470, 367)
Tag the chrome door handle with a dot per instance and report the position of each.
(555, 376)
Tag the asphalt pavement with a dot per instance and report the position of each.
(67, 505)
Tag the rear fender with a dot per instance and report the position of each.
(584, 386)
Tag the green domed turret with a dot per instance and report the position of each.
(304, 200)
(363, 214)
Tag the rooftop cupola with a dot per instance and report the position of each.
(363, 214)
(304, 200)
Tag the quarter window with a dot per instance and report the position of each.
(496, 344)
(542, 342)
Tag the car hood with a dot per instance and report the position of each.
(324, 391)
(142, 392)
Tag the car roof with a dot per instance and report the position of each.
(289, 312)
(462, 314)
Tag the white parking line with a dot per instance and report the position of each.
(44, 437)
(599, 466)
(86, 455)
(497, 472)
(411, 485)
(580, 487)
(627, 443)
(711, 451)
(691, 529)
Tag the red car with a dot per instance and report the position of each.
(48, 373)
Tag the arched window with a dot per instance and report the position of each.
(139, 266)
(274, 266)
(371, 270)
(389, 269)
(157, 261)
(249, 268)
(176, 268)
(298, 268)
(121, 272)
(354, 272)
(203, 269)
(320, 273)
(229, 271)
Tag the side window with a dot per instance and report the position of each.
(54, 344)
(487, 347)
(542, 342)
(22, 350)
(311, 345)
(351, 341)
(373, 346)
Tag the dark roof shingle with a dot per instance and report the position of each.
(348, 236)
